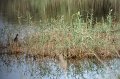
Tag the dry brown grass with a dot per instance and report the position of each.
(75, 40)
(48, 50)
(55, 46)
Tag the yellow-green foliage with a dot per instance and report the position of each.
(75, 37)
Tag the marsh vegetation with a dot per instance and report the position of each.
(63, 30)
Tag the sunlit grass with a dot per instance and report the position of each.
(71, 39)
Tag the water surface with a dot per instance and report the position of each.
(25, 67)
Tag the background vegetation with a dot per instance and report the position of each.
(47, 9)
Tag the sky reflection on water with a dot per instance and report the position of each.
(20, 67)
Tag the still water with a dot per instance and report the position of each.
(24, 67)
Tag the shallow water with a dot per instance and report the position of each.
(24, 67)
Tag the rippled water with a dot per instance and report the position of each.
(24, 67)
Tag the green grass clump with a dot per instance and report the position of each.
(75, 37)
(69, 38)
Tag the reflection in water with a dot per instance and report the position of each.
(23, 67)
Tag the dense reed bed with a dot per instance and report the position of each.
(76, 39)
(42, 10)
(73, 28)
